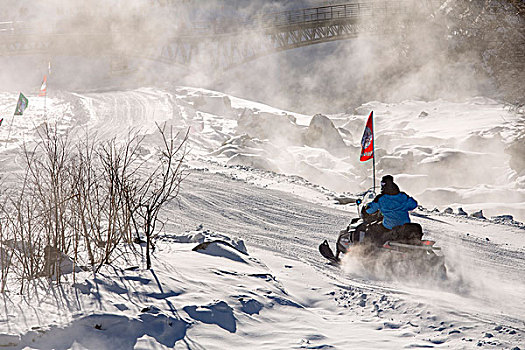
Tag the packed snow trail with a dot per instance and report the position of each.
(267, 219)
(302, 301)
(480, 270)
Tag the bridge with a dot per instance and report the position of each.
(233, 43)
(218, 44)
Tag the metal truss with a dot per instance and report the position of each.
(222, 45)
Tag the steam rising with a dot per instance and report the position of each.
(409, 60)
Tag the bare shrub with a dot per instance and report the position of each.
(145, 198)
(77, 204)
(120, 165)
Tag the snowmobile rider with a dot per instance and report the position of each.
(394, 206)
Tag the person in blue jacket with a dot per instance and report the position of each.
(394, 205)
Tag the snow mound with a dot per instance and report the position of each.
(322, 133)
(201, 236)
(219, 313)
(281, 128)
(105, 331)
(220, 248)
(253, 161)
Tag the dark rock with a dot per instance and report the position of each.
(478, 214)
(344, 200)
(462, 212)
(509, 218)
(448, 211)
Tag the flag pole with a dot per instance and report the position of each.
(21, 105)
(9, 133)
(43, 92)
(374, 157)
(45, 96)
(11, 124)
(367, 142)
(374, 170)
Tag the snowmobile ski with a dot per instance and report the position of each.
(412, 246)
(327, 252)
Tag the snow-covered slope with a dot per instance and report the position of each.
(264, 181)
(446, 154)
(275, 291)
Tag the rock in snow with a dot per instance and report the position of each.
(448, 210)
(478, 214)
(462, 212)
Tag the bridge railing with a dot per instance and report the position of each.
(289, 18)
(331, 13)
(301, 17)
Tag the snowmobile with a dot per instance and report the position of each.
(404, 253)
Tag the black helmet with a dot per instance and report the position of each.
(388, 186)
(386, 179)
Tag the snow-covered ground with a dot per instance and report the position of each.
(266, 183)
(445, 154)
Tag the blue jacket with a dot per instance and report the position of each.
(394, 208)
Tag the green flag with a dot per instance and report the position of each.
(21, 105)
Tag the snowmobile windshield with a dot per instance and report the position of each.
(368, 197)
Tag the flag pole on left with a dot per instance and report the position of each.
(21, 105)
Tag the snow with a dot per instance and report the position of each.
(223, 298)
(454, 156)
(236, 263)
(262, 188)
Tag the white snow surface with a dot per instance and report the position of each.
(266, 185)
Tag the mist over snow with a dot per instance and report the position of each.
(445, 154)
(324, 78)
(271, 170)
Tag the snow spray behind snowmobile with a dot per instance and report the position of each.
(403, 253)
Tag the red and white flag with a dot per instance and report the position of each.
(43, 88)
(367, 142)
